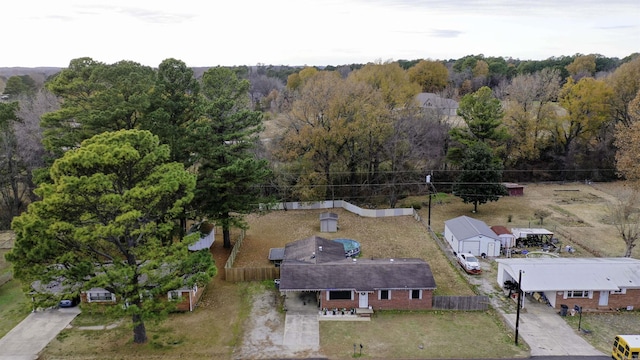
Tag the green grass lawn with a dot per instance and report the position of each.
(426, 334)
(14, 306)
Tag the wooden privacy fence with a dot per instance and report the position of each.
(247, 274)
(480, 302)
(251, 274)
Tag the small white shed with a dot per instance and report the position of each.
(328, 222)
(468, 235)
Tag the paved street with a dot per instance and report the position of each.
(28, 338)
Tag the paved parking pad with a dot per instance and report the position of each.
(302, 332)
(28, 338)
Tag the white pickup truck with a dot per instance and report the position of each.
(469, 263)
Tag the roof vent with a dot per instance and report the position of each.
(320, 248)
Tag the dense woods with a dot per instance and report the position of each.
(354, 131)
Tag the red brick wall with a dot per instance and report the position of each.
(621, 301)
(616, 301)
(399, 301)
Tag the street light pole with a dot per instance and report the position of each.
(518, 302)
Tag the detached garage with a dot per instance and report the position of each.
(468, 235)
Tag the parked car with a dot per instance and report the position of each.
(71, 302)
(469, 263)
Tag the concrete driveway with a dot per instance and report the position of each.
(28, 338)
(547, 333)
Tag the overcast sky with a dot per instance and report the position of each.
(301, 32)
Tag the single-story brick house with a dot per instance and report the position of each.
(188, 297)
(319, 265)
(595, 284)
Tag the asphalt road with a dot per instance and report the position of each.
(28, 338)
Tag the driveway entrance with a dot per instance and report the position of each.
(301, 328)
(28, 338)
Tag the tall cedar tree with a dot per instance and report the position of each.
(104, 222)
(229, 174)
(480, 178)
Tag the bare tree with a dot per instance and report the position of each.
(22, 153)
(626, 218)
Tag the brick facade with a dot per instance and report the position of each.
(616, 301)
(399, 300)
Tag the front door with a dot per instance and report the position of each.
(604, 298)
(364, 300)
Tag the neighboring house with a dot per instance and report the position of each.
(189, 296)
(507, 239)
(468, 235)
(437, 104)
(319, 265)
(592, 283)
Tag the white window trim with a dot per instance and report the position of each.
(380, 294)
(177, 293)
(90, 294)
(621, 291)
(589, 294)
(419, 294)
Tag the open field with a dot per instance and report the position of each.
(217, 326)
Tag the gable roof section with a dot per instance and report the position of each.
(559, 274)
(464, 227)
(359, 275)
(314, 250)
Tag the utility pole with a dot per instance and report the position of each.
(518, 302)
(430, 187)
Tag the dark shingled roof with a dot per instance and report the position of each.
(313, 250)
(306, 267)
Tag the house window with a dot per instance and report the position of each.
(340, 295)
(175, 295)
(100, 296)
(384, 295)
(583, 294)
(415, 294)
(619, 292)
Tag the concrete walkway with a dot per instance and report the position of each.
(27, 339)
